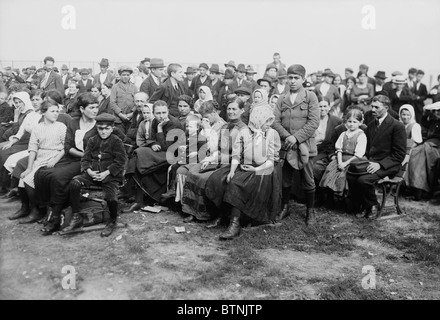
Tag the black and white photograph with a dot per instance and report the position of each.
(220, 159)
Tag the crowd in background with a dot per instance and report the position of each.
(245, 146)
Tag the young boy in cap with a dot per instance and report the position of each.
(102, 164)
(296, 120)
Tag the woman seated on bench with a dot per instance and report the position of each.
(251, 184)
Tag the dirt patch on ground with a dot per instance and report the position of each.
(149, 260)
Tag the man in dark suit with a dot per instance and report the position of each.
(240, 80)
(188, 80)
(104, 75)
(153, 81)
(250, 73)
(420, 95)
(51, 79)
(386, 149)
(171, 89)
(201, 79)
(65, 76)
(85, 84)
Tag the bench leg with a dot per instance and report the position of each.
(396, 198)
(384, 199)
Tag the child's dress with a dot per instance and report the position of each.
(350, 144)
(47, 140)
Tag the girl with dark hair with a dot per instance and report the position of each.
(350, 146)
(186, 107)
(53, 183)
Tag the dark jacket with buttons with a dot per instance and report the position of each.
(300, 119)
(101, 155)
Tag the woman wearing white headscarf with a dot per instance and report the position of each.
(422, 162)
(413, 129)
(252, 186)
(18, 136)
(205, 94)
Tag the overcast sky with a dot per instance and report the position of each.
(316, 33)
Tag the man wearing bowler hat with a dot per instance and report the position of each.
(189, 76)
(122, 99)
(225, 92)
(231, 66)
(296, 120)
(104, 75)
(153, 81)
(85, 84)
(250, 73)
(65, 76)
(380, 80)
(146, 63)
(240, 80)
(328, 90)
(386, 149)
(171, 89)
(266, 83)
(281, 86)
(201, 79)
(216, 83)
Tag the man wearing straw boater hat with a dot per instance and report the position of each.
(104, 75)
(153, 81)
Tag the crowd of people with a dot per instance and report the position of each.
(212, 141)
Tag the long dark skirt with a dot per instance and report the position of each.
(194, 200)
(4, 155)
(52, 184)
(257, 196)
(150, 170)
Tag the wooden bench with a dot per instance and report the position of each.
(391, 187)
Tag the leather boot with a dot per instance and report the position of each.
(109, 228)
(310, 216)
(11, 194)
(284, 213)
(24, 210)
(76, 222)
(216, 223)
(170, 194)
(233, 229)
(35, 213)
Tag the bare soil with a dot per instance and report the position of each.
(149, 260)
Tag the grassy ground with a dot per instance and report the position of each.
(149, 260)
